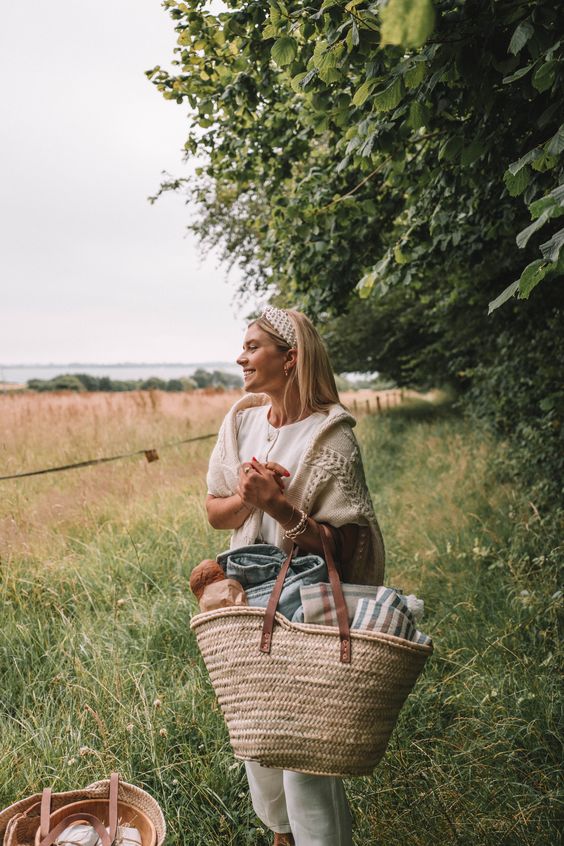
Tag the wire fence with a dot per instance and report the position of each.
(150, 455)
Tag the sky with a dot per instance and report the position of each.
(89, 270)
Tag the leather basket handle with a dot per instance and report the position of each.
(107, 839)
(328, 543)
(268, 625)
(95, 822)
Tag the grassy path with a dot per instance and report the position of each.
(98, 669)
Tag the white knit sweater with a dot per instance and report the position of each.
(329, 485)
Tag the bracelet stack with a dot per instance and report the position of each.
(299, 528)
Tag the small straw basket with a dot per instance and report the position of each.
(38, 820)
(310, 698)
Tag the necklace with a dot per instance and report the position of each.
(271, 436)
(271, 432)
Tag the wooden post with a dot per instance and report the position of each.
(354, 404)
(368, 406)
(378, 406)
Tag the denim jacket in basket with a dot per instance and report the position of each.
(256, 568)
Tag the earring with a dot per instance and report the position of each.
(286, 372)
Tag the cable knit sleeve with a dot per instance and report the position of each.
(340, 496)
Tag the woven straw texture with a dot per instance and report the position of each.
(299, 708)
(20, 821)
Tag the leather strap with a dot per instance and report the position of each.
(113, 799)
(88, 818)
(107, 839)
(329, 545)
(45, 812)
(268, 625)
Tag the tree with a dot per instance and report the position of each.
(335, 163)
(348, 154)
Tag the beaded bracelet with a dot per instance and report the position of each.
(299, 528)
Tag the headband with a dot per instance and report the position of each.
(280, 321)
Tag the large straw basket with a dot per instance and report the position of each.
(20, 823)
(309, 698)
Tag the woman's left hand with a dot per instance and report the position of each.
(261, 487)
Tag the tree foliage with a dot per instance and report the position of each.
(337, 159)
(392, 168)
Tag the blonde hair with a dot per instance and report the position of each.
(313, 375)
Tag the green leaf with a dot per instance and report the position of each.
(544, 76)
(558, 194)
(548, 203)
(362, 93)
(503, 297)
(400, 257)
(471, 153)
(355, 35)
(516, 184)
(407, 23)
(515, 167)
(415, 75)
(390, 97)
(274, 14)
(526, 233)
(517, 75)
(284, 50)
(556, 144)
(330, 74)
(270, 31)
(418, 115)
(544, 162)
(369, 280)
(296, 82)
(364, 287)
(524, 31)
(308, 77)
(531, 276)
(551, 249)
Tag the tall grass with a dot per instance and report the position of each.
(98, 669)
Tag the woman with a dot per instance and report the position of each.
(286, 458)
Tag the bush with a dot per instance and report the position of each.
(217, 379)
(65, 382)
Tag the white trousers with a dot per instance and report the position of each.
(313, 808)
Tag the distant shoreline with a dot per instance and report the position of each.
(74, 364)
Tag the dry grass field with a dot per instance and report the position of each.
(47, 430)
(40, 430)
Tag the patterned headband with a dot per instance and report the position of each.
(280, 321)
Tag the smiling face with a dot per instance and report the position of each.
(262, 362)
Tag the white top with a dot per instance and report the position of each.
(286, 445)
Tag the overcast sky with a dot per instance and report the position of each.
(89, 270)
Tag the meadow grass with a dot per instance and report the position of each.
(99, 670)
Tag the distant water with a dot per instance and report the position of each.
(21, 373)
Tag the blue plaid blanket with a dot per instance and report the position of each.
(370, 608)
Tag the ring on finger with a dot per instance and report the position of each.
(247, 469)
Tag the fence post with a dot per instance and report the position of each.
(378, 405)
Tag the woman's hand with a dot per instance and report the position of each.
(262, 486)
